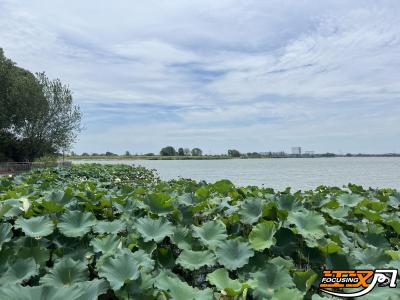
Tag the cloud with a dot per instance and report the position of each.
(219, 74)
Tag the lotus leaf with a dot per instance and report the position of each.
(193, 260)
(233, 254)
(120, 270)
(262, 236)
(75, 223)
(155, 230)
(35, 227)
(109, 227)
(211, 233)
(66, 272)
(220, 278)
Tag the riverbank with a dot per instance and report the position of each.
(214, 157)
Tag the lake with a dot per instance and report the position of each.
(297, 173)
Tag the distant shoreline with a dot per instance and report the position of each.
(212, 157)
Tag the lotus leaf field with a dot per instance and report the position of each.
(119, 232)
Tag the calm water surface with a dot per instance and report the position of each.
(303, 173)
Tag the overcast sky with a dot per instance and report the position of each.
(250, 75)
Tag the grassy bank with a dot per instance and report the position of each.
(146, 157)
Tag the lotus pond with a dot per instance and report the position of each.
(119, 232)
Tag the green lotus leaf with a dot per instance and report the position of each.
(182, 238)
(319, 297)
(88, 290)
(180, 290)
(107, 244)
(372, 256)
(328, 247)
(376, 240)
(211, 233)
(186, 199)
(285, 294)
(220, 278)
(93, 289)
(251, 210)
(394, 201)
(223, 186)
(109, 227)
(272, 278)
(339, 213)
(65, 273)
(75, 223)
(159, 203)
(18, 292)
(120, 269)
(383, 293)
(262, 236)
(309, 224)
(5, 233)
(394, 222)
(155, 230)
(193, 260)
(233, 254)
(40, 254)
(143, 260)
(395, 255)
(349, 200)
(281, 262)
(304, 279)
(35, 227)
(20, 270)
(4, 208)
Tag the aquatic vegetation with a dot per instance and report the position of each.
(119, 232)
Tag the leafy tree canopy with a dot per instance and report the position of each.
(37, 115)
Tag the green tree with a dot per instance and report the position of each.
(37, 115)
(168, 151)
(181, 152)
(108, 153)
(197, 152)
(127, 153)
(233, 153)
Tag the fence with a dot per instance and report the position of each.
(15, 168)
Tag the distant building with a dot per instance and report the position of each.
(296, 150)
(309, 152)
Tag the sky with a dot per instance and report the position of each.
(219, 75)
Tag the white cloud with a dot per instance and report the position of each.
(245, 74)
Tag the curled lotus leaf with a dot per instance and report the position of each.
(272, 278)
(109, 227)
(193, 260)
(262, 236)
(251, 210)
(234, 254)
(66, 272)
(211, 233)
(21, 269)
(310, 225)
(232, 287)
(154, 230)
(180, 290)
(119, 270)
(5, 233)
(107, 244)
(349, 200)
(76, 223)
(35, 227)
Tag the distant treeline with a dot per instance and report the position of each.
(183, 153)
